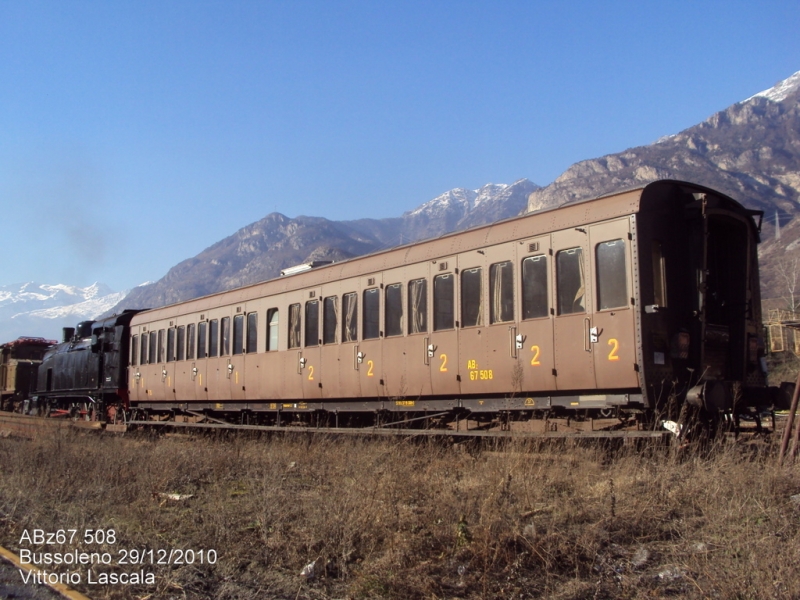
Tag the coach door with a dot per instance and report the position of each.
(244, 325)
(534, 338)
(418, 326)
(572, 324)
(442, 344)
(369, 358)
(393, 351)
(612, 334)
(200, 363)
(310, 361)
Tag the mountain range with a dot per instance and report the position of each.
(750, 150)
(40, 310)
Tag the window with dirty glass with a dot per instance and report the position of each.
(213, 337)
(418, 306)
(471, 298)
(443, 303)
(659, 276)
(143, 350)
(160, 347)
(181, 343)
(393, 309)
(151, 354)
(312, 323)
(371, 323)
(350, 317)
(238, 334)
(294, 326)
(570, 281)
(134, 350)
(273, 318)
(190, 330)
(225, 337)
(202, 334)
(534, 287)
(612, 287)
(501, 292)
(170, 344)
(252, 333)
(330, 320)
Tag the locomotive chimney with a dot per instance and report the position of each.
(67, 333)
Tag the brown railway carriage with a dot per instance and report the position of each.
(19, 365)
(621, 301)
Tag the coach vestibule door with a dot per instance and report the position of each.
(536, 355)
(573, 301)
(613, 346)
(368, 354)
(310, 357)
(418, 327)
(235, 363)
(442, 344)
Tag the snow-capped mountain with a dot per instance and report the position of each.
(41, 310)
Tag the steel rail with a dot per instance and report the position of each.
(378, 431)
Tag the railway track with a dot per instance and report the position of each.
(25, 426)
(12, 424)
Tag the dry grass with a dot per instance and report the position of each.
(416, 519)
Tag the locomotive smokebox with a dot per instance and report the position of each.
(67, 333)
(713, 396)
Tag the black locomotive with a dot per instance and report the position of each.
(85, 375)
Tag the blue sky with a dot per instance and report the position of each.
(135, 134)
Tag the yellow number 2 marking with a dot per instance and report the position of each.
(535, 360)
(371, 365)
(443, 368)
(310, 373)
(613, 354)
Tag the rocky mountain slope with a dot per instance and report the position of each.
(260, 250)
(41, 310)
(750, 151)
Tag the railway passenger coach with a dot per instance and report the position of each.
(620, 303)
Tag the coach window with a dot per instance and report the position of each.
(350, 317)
(252, 333)
(161, 340)
(312, 324)
(213, 337)
(190, 329)
(393, 313)
(225, 337)
(570, 281)
(371, 324)
(471, 298)
(330, 320)
(443, 313)
(501, 292)
(202, 333)
(151, 354)
(272, 329)
(143, 350)
(294, 326)
(134, 349)
(659, 276)
(238, 334)
(612, 287)
(170, 344)
(534, 287)
(418, 306)
(181, 342)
